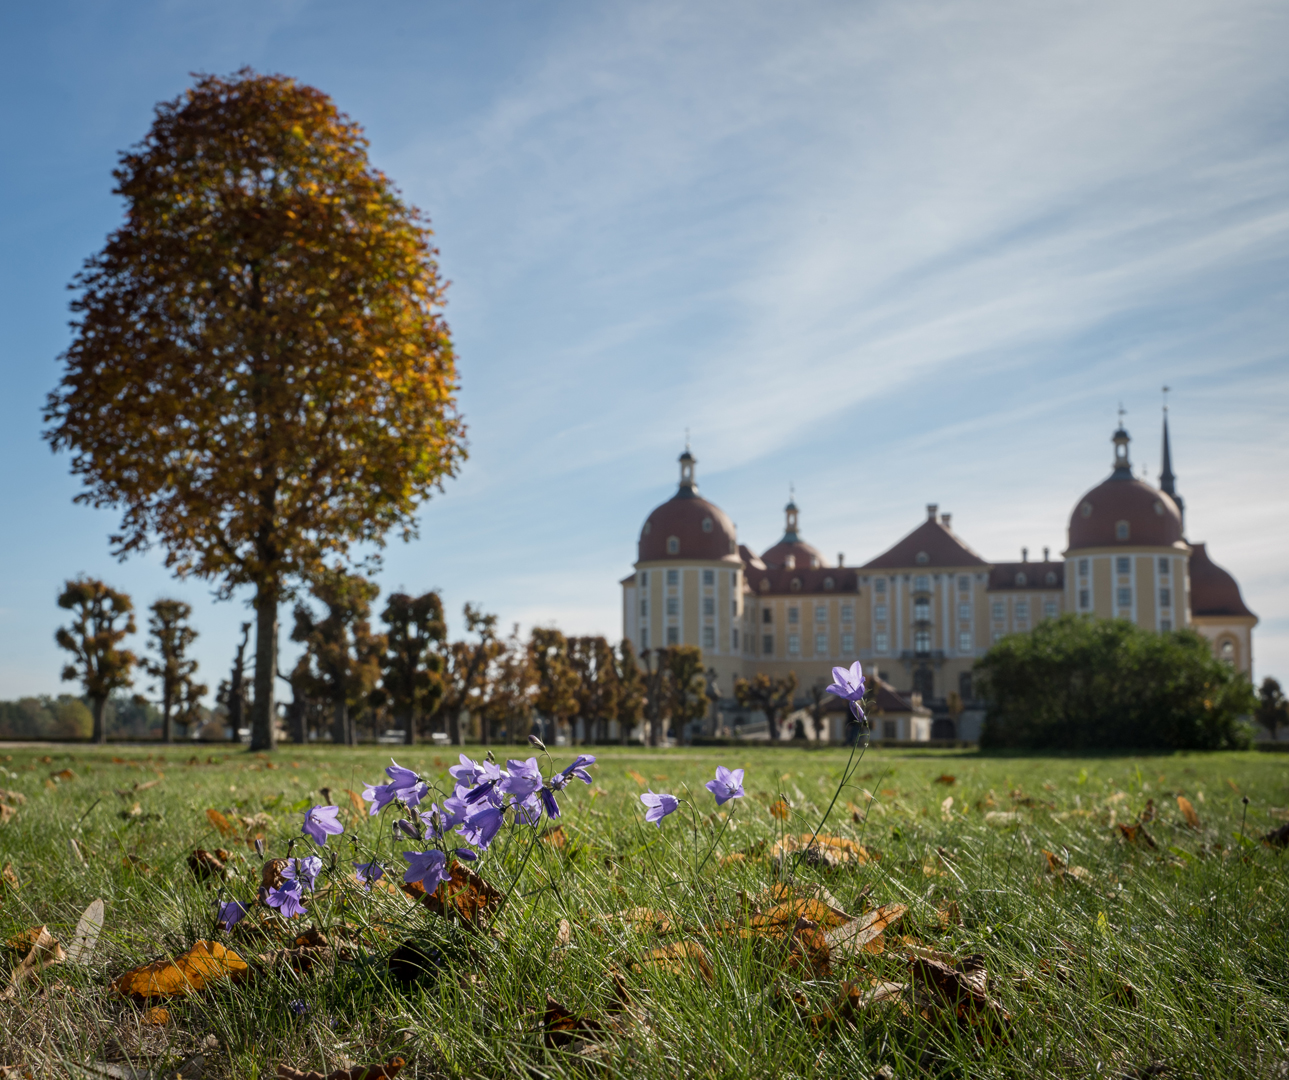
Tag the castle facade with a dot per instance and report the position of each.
(922, 612)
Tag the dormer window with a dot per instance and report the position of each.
(765, 585)
(814, 564)
(796, 584)
(828, 583)
(1021, 579)
(1159, 508)
(648, 526)
(1051, 578)
(1121, 530)
(922, 558)
(673, 545)
(707, 524)
(1086, 509)
(790, 562)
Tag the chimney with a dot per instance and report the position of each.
(945, 520)
(1045, 551)
(931, 510)
(1024, 554)
(841, 558)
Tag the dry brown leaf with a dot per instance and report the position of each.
(780, 810)
(637, 777)
(677, 958)
(389, 1069)
(856, 936)
(225, 827)
(963, 989)
(1188, 811)
(783, 918)
(823, 851)
(853, 999)
(356, 801)
(156, 1016)
(207, 962)
(208, 864)
(949, 914)
(9, 877)
(43, 949)
(6, 813)
(731, 860)
(809, 951)
(63, 775)
(556, 837)
(1134, 833)
(467, 896)
(563, 1028)
(643, 920)
(945, 779)
(564, 936)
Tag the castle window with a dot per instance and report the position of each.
(794, 614)
(673, 635)
(1086, 509)
(648, 528)
(1165, 625)
(922, 609)
(1085, 599)
(1165, 597)
(879, 612)
(644, 609)
(1121, 530)
(847, 612)
(767, 644)
(821, 644)
(644, 637)
(734, 640)
(1049, 610)
(964, 583)
(709, 637)
(709, 605)
(1051, 577)
(964, 611)
(1022, 609)
(673, 605)
(1021, 579)
(790, 562)
(922, 642)
(1159, 508)
(1000, 610)
(733, 607)
(1083, 567)
(1227, 651)
(922, 558)
(1163, 567)
(828, 583)
(848, 643)
(765, 584)
(964, 641)
(644, 577)
(1123, 565)
(879, 585)
(922, 583)
(673, 545)
(880, 642)
(796, 584)
(707, 524)
(767, 615)
(709, 577)
(794, 644)
(821, 613)
(1124, 597)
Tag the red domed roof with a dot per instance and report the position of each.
(1125, 512)
(687, 526)
(804, 556)
(1213, 590)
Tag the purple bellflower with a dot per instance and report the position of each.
(305, 871)
(660, 805)
(427, 867)
(321, 822)
(471, 772)
(368, 872)
(848, 684)
(577, 769)
(523, 780)
(286, 898)
(548, 801)
(380, 796)
(230, 914)
(481, 826)
(727, 785)
(466, 854)
(400, 777)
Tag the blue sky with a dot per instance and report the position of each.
(892, 253)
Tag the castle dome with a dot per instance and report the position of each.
(687, 526)
(791, 552)
(1125, 512)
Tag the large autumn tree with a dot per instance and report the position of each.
(260, 377)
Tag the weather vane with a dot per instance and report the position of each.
(1166, 389)
(1122, 413)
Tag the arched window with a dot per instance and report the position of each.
(707, 524)
(922, 558)
(828, 583)
(796, 584)
(1226, 650)
(673, 545)
(1121, 530)
(1021, 579)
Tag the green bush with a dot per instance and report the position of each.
(63, 717)
(1078, 683)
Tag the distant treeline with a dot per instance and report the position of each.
(68, 717)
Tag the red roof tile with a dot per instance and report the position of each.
(930, 544)
(1213, 590)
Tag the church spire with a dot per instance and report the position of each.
(1167, 481)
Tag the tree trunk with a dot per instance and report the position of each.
(296, 715)
(409, 728)
(772, 722)
(97, 708)
(167, 735)
(454, 727)
(340, 723)
(262, 734)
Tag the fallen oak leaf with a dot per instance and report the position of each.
(780, 810)
(963, 988)
(824, 851)
(207, 962)
(388, 1070)
(1188, 811)
(225, 827)
(860, 933)
(44, 951)
(1132, 833)
(466, 896)
(678, 958)
(209, 864)
(945, 778)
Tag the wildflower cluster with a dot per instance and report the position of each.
(727, 785)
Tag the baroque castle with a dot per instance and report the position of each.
(922, 612)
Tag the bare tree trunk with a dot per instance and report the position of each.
(97, 707)
(340, 724)
(262, 734)
(296, 714)
(485, 729)
(167, 735)
(409, 728)
(454, 727)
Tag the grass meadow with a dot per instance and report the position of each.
(1038, 938)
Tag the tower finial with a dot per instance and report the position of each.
(1167, 481)
(688, 484)
(1122, 466)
